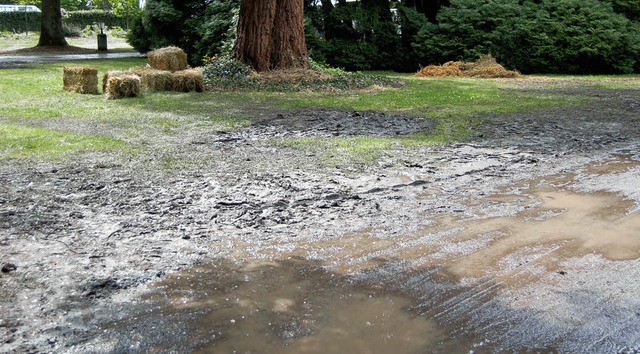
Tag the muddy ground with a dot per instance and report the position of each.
(524, 239)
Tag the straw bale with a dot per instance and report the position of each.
(122, 86)
(188, 81)
(153, 80)
(168, 58)
(80, 79)
(110, 74)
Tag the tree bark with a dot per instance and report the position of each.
(51, 32)
(271, 35)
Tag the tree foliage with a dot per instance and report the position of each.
(559, 36)
(562, 36)
(199, 27)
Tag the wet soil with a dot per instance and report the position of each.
(523, 239)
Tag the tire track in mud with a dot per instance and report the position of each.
(86, 235)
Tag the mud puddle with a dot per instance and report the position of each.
(290, 306)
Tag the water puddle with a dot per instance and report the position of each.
(292, 306)
(466, 270)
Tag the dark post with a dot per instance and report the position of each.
(102, 38)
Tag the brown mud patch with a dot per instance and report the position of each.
(290, 306)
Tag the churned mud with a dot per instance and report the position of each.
(525, 239)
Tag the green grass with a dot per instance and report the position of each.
(10, 41)
(32, 96)
(17, 141)
(32, 99)
(457, 105)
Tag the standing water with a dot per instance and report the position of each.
(292, 306)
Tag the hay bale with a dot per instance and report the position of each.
(110, 74)
(188, 81)
(153, 80)
(80, 79)
(122, 86)
(168, 59)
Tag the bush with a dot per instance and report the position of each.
(225, 72)
(360, 38)
(200, 29)
(20, 21)
(71, 30)
(547, 36)
(82, 19)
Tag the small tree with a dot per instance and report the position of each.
(127, 9)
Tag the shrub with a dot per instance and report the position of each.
(225, 72)
(359, 38)
(82, 19)
(20, 21)
(550, 36)
(71, 30)
(200, 28)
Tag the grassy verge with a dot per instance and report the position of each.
(35, 112)
(33, 105)
(17, 141)
(10, 41)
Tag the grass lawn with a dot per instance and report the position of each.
(37, 118)
(10, 41)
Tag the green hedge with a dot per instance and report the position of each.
(21, 21)
(85, 18)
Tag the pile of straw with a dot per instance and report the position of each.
(168, 59)
(188, 81)
(80, 79)
(485, 67)
(122, 85)
(448, 69)
(153, 80)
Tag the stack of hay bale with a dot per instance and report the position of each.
(167, 70)
(485, 67)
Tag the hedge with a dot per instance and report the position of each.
(21, 21)
(85, 18)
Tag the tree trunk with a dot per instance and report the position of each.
(51, 32)
(271, 35)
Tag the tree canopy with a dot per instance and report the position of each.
(544, 36)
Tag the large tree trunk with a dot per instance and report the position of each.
(51, 32)
(271, 34)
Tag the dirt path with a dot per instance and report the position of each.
(525, 239)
